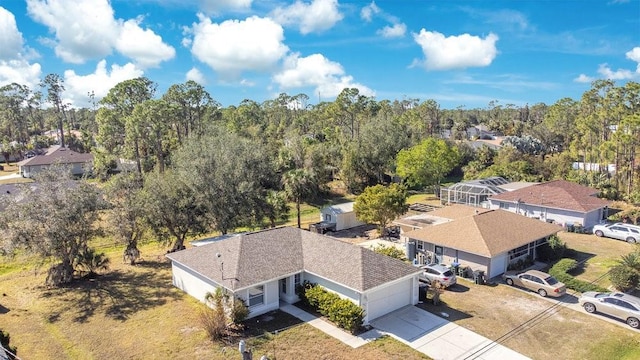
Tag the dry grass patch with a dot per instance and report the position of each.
(133, 312)
(505, 313)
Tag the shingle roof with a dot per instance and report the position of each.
(457, 211)
(254, 258)
(557, 194)
(59, 156)
(487, 234)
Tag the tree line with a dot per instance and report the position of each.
(199, 167)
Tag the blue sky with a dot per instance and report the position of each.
(459, 53)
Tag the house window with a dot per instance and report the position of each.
(420, 245)
(296, 281)
(327, 217)
(521, 251)
(504, 206)
(256, 296)
(283, 286)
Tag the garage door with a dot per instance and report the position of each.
(389, 298)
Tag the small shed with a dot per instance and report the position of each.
(342, 215)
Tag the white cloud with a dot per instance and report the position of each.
(88, 30)
(196, 75)
(583, 79)
(456, 52)
(21, 72)
(328, 77)
(83, 30)
(318, 16)
(368, 11)
(634, 55)
(11, 39)
(14, 65)
(217, 6)
(234, 46)
(397, 30)
(100, 82)
(620, 74)
(143, 46)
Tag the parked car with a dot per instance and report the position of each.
(620, 231)
(538, 281)
(618, 305)
(438, 273)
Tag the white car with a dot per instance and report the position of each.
(620, 231)
(438, 273)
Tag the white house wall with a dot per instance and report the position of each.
(191, 282)
(559, 216)
(271, 299)
(331, 286)
(348, 221)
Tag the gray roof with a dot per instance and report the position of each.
(258, 257)
(58, 155)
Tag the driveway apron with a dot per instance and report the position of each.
(440, 339)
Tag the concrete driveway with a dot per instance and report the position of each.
(438, 338)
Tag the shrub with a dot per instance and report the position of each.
(5, 339)
(239, 311)
(391, 251)
(561, 272)
(623, 278)
(552, 250)
(342, 312)
(221, 312)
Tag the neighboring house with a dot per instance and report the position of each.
(610, 168)
(265, 267)
(78, 163)
(559, 201)
(488, 240)
(477, 192)
(435, 217)
(338, 217)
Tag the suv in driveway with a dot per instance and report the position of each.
(618, 305)
(620, 231)
(438, 273)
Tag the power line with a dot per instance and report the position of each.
(528, 324)
(7, 351)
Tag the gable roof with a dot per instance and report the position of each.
(487, 234)
(253, 258)
(557, 194)
(341, 208)
(59, 155)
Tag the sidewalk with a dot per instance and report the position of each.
(352, 340)
(425, 332)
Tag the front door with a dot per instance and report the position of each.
(283, 286)
(438, 251)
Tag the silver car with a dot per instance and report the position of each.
(438, 273)
(618, 305)
(620, 231)
(538, 281)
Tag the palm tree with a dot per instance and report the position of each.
(298, 184)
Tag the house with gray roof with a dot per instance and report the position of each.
(264, 268)
(558, 201)
(77, 163)
(487, 240)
